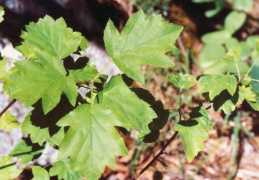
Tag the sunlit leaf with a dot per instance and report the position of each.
(215, 84)
(63, 171)
(192, 134)
(141, 42)
(39, 173)
(8, 171)
(8, 122)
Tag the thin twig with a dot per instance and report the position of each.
(157, 156)
(7, 107)
(83, 82)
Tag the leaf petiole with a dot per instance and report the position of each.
(239, 77)
(96, 77)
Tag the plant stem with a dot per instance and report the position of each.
(96, 77)
(157, 156)
(239, 77)
(251, 67)
(83, 82)
(7, 107)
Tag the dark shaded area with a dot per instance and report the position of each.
(196, 13)
(20, 150)
(162, 115)
(69, 62)
(39, 119)
(85, 16)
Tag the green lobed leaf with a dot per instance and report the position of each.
(1, 13)
(52, 36)
(214, 84)
(8, 122)
(92, 136)
(141, 42)
(45, 79)
(181, 81)
(224, 101)
(200, 115)
(39, 173)
(126, 105)
(63, 171)
(157, 123)
(234, 21)
(26, 151)
(8, 171)
(248, 93)
(192, 135)
(216, 37)
(27, 50)
(42, 127)
(255, 105)
(232, 56)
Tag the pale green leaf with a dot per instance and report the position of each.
(192, 134)
(245, 49)
(91, 138)
(39, 173)
(52, 36)
(45, 79)
(26, 151)
(63, 171)
(232, 43)
(211, 54)
(85, 74)
(42, 128)
(7, 169)
(8, 122)
(141, 42)
(3, 70)
(202, 117)
(232, 56)
(216, 37)
(1, 13)
(248, 93)
(215, 84)
(245, 5)
(255, 105)
(181, 81)
(234, 21)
